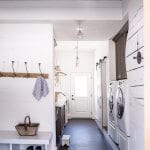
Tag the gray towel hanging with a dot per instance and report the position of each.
(40, 88)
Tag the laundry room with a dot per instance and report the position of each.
(72, 75)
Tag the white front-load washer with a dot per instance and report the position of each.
(123, 105)
(112, 126)
(112, 102)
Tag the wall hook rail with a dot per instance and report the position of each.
(23, 74)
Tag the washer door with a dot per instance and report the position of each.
(111, 100)
(120, 104)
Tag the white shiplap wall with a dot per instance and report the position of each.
(135, 74)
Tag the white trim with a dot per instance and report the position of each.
(60, 4)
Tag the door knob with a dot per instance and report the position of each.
(73, 97)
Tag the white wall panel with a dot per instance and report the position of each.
(135, 77)
(135, 41)
(32, 43)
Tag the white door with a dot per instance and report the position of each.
(98, 104)
(81, 95)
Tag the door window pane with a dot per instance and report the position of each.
(81, 86)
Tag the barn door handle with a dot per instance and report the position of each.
(138, 58)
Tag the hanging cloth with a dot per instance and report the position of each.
(40, 88)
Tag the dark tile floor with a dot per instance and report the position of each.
(85, 135)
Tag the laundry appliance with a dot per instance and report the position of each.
(123, 105)
(112, 126)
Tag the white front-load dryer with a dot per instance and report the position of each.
(122, 99)
(112, 126)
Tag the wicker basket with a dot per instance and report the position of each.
(27, 129)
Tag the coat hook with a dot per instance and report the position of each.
(100, 61)
(13, 68)
(40, 69)
(97, 64)
(26, 69)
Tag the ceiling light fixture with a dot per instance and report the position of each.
(79, 33)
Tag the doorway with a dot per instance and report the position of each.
(81, 95)
(101, 94)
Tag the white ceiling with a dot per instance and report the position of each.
(92, 30)
(103, 17)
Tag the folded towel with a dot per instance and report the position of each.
(40, 88)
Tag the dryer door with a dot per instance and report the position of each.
(111, 106)
(120, 103)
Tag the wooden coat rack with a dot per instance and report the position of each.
(24, 75)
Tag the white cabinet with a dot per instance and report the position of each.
(137, 124)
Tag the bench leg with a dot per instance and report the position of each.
(10, 147)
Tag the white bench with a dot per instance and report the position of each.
(10, 140)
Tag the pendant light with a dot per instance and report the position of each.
(77, 54)
(79, 37)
